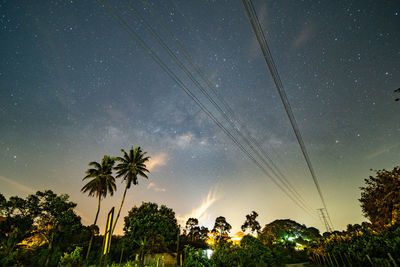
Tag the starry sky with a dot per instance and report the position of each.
(75, 86)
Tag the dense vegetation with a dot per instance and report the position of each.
(44, 230)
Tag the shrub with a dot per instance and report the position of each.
(72, 259)
(196, 258)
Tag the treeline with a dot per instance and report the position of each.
(44, 230)
(369, 244)
(36, 231)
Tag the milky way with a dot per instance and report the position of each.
(75, 86)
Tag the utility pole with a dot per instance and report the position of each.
(177, 247)
(324, 217)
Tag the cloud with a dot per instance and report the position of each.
(201, 212)
(187, 139)
(18, 186)
(306, 33)
(383, 151)
(153, 186)
(157, 161)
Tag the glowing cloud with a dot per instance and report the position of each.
(383, 151)
(154, 187)
(201, 211)
(18, 186)
(156, 161)
(307, 32)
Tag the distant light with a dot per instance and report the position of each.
(208, 253)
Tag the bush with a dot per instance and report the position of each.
(251, 252)
(72, 259)
(196, 258)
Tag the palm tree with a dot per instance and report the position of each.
(102, 182)
(130, 167)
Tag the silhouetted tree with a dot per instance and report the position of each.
(311, 233)
(380, 198)
(36, 230)
(57, 218)
(286, 231)
(129, 168)
(102, 183)
(151, 228)
(251, 223)
(222, 226)
(192, 228)
(190, 223)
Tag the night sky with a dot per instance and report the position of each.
(75, 86)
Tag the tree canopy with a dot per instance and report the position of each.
(42, 221)
(131, 165)
(222, 226)
(380, 198)
(251, 223)
(151, 227)
(287, 230)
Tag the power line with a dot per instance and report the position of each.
(179, 82)
(324, 217)
(255, 23)
(231, 122)
(235, 122)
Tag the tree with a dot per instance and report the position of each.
(222, 226)
(204, 233)
(192, 228)
(311, 233)
(57, 221)
(251, 252)
(284, 231)
(251, 223)
(102, 183)
(16, 224)
(44, 224)
(191, 223)
(151, 228)
(129, 168)
(380, 198)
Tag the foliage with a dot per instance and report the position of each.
(132, 165)
(359, 243)
(251, 252)
(222, 226)
(150, 228)
(38, 228)
(102, 183)
(251, 223)
(194, 235)
(129, 168)
(380, 198)
(192, 229)
(287, 232)
(196, 258)
(72, 259)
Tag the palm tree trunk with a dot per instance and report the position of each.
(119, 211)
(94, 224)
